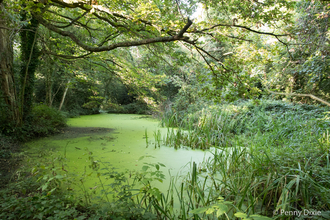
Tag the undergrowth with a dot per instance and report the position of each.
(42, 121)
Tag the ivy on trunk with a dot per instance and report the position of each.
(29, 58)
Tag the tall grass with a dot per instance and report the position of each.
(273, 156)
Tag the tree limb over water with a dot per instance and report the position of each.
(113, 46)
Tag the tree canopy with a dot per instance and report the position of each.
(228, 50)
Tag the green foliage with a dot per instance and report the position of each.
(136, 108)
(113, 108)
(276, 154)
(82, 97)
(305, 69)
(222, 207)
(21, 200)
(46, 120)
(94, 104)
(45, 192)
(43, 121)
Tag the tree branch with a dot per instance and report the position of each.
(185, 28)
(87, 47)
(243, 27)
(69, 57)
(81, 5)
(300, 95)
(210, 55)
(72, 21)
(114, 63)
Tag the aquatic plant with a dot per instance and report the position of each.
(158, 138)
(146, 137)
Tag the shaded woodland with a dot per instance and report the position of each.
(234, 74)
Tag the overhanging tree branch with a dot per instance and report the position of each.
(115, 63)
(210, 55)
(69, 57)
(90, 48)
(81, 5)
(242, 27)
(72, 20)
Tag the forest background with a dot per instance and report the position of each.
(168, 58)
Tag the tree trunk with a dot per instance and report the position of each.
(64, 94)
(49, 86)
(29, 58)
(6, 71)
(49, 73)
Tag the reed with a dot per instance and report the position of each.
(271, 157)
(146, 137)
(158, 138)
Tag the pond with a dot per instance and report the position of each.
(121, 143)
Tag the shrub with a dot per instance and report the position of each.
(46, 120)
(136, 108)
(113, 108)
(22, 200)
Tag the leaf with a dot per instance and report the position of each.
(155, 192)
(144, 168)
(162, 164)
(43, 187)
(222, 208)
(219, 213)
(199, 211)
(260, 217)
(240, 215)
(50, 192)
(157, 166)
(160, 180)
(221, 198)
(209, 211)
(59, 176)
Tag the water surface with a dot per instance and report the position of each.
(120, 148)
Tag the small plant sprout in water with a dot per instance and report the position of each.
(158, 138)
(146, 137)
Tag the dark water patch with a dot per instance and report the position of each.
(76, 132)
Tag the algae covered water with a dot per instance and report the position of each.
(125, 139)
